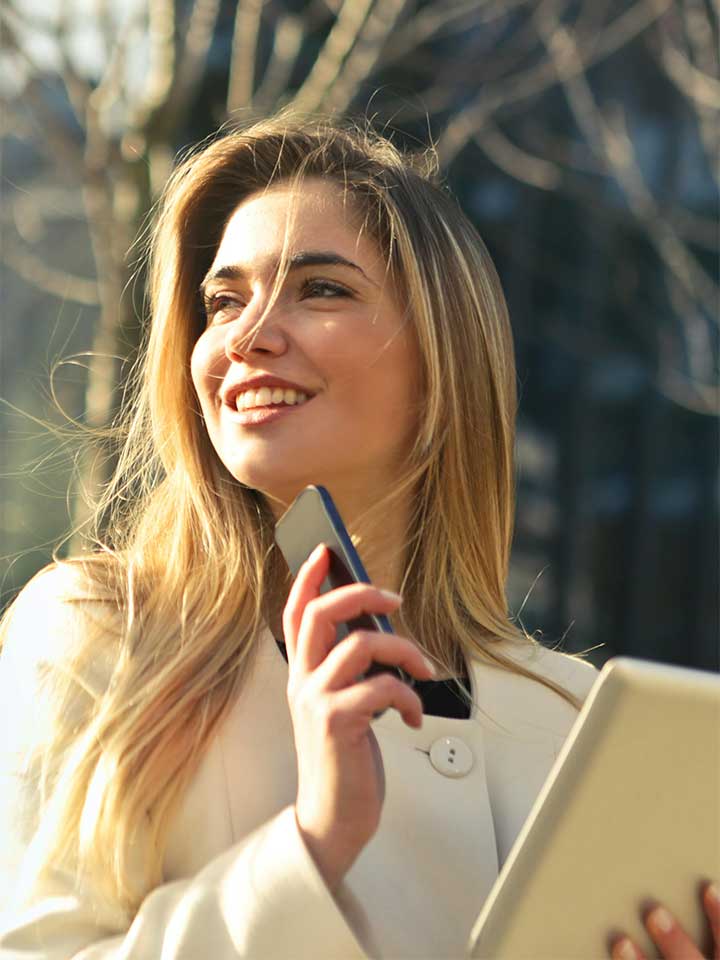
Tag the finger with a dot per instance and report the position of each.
(355, 707)
(304, 589)
(625, 949)
(352, 657)
(711, 901)
(670, 938)
(316, 636)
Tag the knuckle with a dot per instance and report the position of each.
(389, 684)
(312, 606)
(359, 642)
(316, 608)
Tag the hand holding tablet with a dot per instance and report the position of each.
(670, 937)
(629, 816)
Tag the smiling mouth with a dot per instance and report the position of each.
(268, 397)
(269, 412)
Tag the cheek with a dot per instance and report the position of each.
(387, 401)
(197, 364)
(203, 371)
(407, 392)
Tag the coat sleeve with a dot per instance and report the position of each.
(262, 898)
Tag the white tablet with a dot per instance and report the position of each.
(630, 812)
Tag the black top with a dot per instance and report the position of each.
(440, 698)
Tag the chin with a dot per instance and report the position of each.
(265, 481)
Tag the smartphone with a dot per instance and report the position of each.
(311, 519)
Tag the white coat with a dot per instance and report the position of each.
(238, 880)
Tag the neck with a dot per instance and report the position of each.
(381, 543)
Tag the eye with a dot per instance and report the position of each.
(323, 289)
(221, 304)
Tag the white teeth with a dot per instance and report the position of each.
(266, 396)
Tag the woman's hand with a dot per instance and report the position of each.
(669, 937)
(341, 780)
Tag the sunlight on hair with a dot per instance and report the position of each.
(184, 563)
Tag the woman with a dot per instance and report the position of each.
(192, 768)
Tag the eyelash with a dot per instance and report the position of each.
(311, 287)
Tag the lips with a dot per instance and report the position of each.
(265, 397)
(267, 387)
(259, 416)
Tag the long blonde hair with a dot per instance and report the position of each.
(186, 552)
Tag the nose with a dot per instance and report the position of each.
(252, 333)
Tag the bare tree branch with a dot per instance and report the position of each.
(612, 142)
(695, 333)
(109, 90)
(523, 166)
(244, 52)
(327, 66)
(439, 20)
(699, 397)
(318, 12)
(12, 23)
(699, 391)
(696, 85)
(162, 62)
(700, 231)
(574, 155)
(698, 78)
(193, 58)
(14, 123)
(29, 211)
(53, 136)
(287, 43)
(701, 36)
(106, 26)
(529, 83)
(591, 18)
(364, 36)
(17, 17)
(78, 89)
(58, 283)
(364, 55)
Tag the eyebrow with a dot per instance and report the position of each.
(304, 258)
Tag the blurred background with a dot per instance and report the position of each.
(580, 137)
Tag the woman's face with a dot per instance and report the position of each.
(326, 390)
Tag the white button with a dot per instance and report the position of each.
(451, 757)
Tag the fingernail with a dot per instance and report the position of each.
(389, 595)
(660, 920)
(713, 892)
(624, 950)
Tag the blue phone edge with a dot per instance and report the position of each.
(344, 538)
